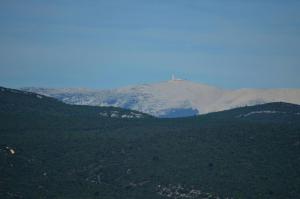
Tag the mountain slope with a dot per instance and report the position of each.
(174, 98)
(249, 152)
(31, 107)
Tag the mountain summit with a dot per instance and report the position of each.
(173, 98)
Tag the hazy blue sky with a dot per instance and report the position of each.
(106, 44)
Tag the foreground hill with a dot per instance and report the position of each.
(250, 152)
(174, 98)
(15, 103)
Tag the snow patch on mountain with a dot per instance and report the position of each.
(260, 112)
(117, 114)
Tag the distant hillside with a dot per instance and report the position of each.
(49, 149)
(271, 112)
(174, 98)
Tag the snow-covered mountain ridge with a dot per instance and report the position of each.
(174, 98)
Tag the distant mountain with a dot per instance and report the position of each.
(49, 149)
(174, 98)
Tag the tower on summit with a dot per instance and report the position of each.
(173, 78)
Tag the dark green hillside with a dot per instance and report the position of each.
(272, 112)
(52, 150)
(21, 110)
(21, 102)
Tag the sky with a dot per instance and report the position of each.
(115, 43)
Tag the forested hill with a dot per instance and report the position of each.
(52, 150)
(25, 109)
(275, 112)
